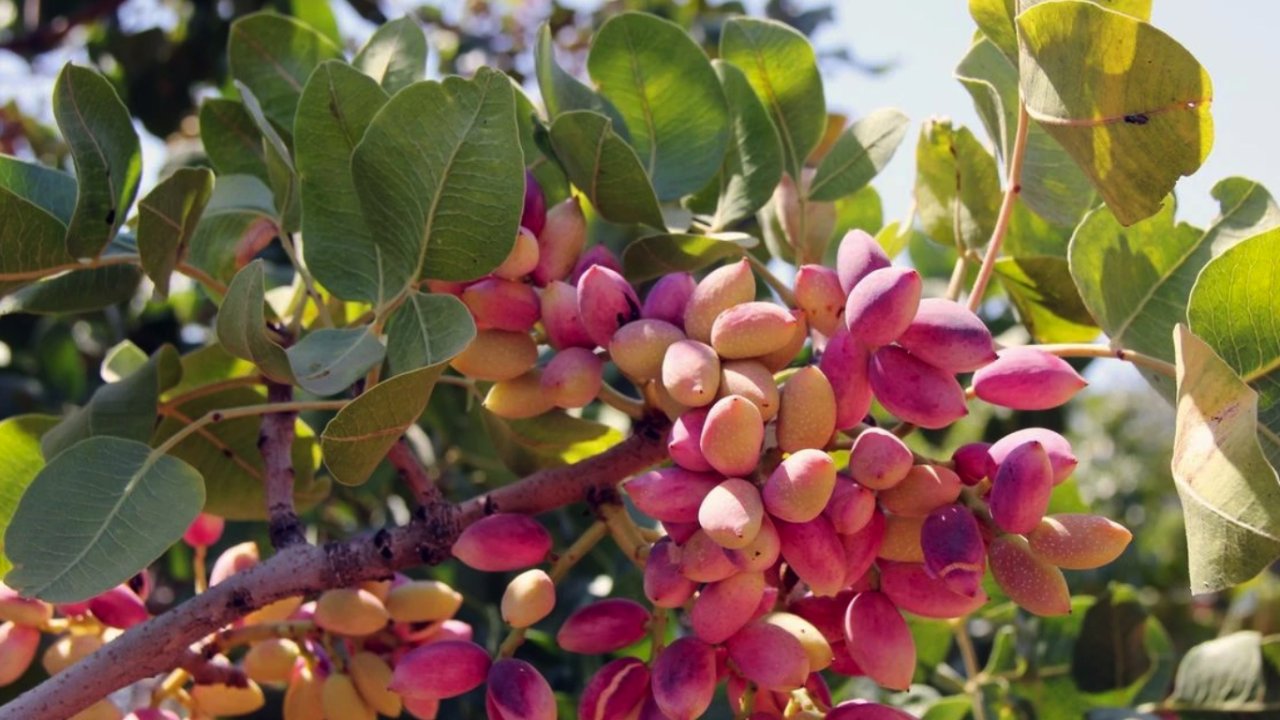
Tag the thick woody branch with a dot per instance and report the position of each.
(275, 442)
(164, 642)
(412, 473)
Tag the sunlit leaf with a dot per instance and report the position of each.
(562, 92)
(273, 55)
(752, 166)
(359, 436)
(859, 155)
(605, 168)
(427, 330)
(20, 460)
(395, 55)
(957, 186)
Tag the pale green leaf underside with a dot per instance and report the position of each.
(859, 155)
(427, 330)
(52, 190)
(752, 166)
(395, 56)
(1226, 675)
(241, 325)
(329, 360)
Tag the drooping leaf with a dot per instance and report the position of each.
(552, 439)
(241, 213)
(273, 56)
(1052, 184)
(51, 190)
(226, 453)
(605, 168)
(1230, 495)
(167, 219)
(336, 107)
(859, 155)
(1047, 301)
(782, 68)
(281, 174)
(752, 166)
(427, 330)
(123, 409)
(96, 515)
(395, 56)
(957, 186)
(77, 291)
(231, 139)
(656, 255)
(662, 83)
(108, 160)
(359, 436)
(562, 92)
(440, 174)
(20, 460)
(327, 361)
(1226, 675)
(242, 325)
(1086, 77)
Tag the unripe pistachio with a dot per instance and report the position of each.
(529, 597)
(664, 585)
(783, 356)
(732, 436)
(1022, 487)
(859, 255)
(560, 242)
(271, 661)
(731, 513)
(806, 411)
(866, 710)
(953, 548)
(850, 507)
(915, 391)
(1034, 584)
(350, 611)
(704, 561)
(799, 488)
(341, 699)
(948, 335)
(691, 372)
(1078, 541)
(498, 304)
(912, 588)
(519, 398)
(815, 646)
(119, 607)
(559, 307)
(615, 691)
(670, 494)
(372, 677)
(304, 698)
(882, 305)
(902, 539)
(606, 302)
(422, 601)
(753, 381)
(668, 298)
(973, 462)
(638, 348)
(523, 257)
(879, 459)
(517, 691)
(227, 700)
(751, 329)
(814, 552)
(534, 214)
(440, 670)
(1061, 457)
(69, 650)
(204, 531)
(925, 488)
(233, 560)
(684, 445)
(879, 640)
(497, 355)
(573, 378)
(684, 679)
(819, 294)
(502, 542)
(762, 552)
(724, 607)
(845, 362)
(603, 626)
(807, 232)
(18, 644)
(720, 290)
(1026, 378)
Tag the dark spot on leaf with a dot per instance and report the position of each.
(226, 453)
(111, 216)
(1137, 119)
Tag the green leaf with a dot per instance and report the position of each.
(96, 515)
(51, 190)
(281, 174)
(553, 439)
(605, 168)
(31, 239)
(327, 361)
(752, 166)
(957, 187)
(1111, 651)
(1230, 495)
(104, 146)
(241, 213)
(122, 360)
(859, 155)
(318, 15)
(440, 173)
(77, 291)
(955, 707)
(782, 68)
(336, 106)
(395, 56)
(1226, 674)
(1086, 78)
(231, 139)
(167, 219)
(273, 56)
(1041, 289)
(1233, 308)
(242, 325)
(995, 18)
(226, 453)
(662, 83)
(657, 255)
(427, 330)
(122, 409)
(562, 92)
(359, 436)
(1052, 184)
(20, 460)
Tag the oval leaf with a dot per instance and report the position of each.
(273, 55)
(859, 155)
(51, 190)
(242, 325)
(327, 361)
(395, 56)
(562, 92)
(167, 218)
(241, 213)
(20, 460)
(605, 168)
(957, 186)
(231, 138)
(427, 330)
(752, 166)
(359, 436)
(78, 291)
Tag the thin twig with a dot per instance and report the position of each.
(970, 656)
(611, 396)
(1102, 351)
(1013, 187)
(779, 287)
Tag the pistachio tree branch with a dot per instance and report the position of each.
(275, 442)
(1012, 188)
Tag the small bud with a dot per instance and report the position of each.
(419, 601)
(910, 587)
(882, 305)
(753, 381)
(953, 549)
(1078, 541)
(845, 362)
(859, 255)
(684, 679)
(691, 372)
(497, 355)
(341, 699)
(350, 611)
(973, 463)
(819, 294)
(1025, 378)
(603, 627)
(879, 460)
(119, 607)
(668, 298)
(522, 259)
(948, 335)
(18, 644)
(724, 607)
(1022, 488)
(720, 290)
(638, 348)
(1061, 457)
(560, 242)
(670, 494)
(732, 436)
(806, 411)
(799, 488)
(519, 398)
(664, 585)
(684, 446)
(534, 213)
(559, 307)
(271, 661)
(372, 677)
(205, 530)
(751, 329)
(517, 691)
(914, 390)
(529, 597)
(498, 304)
(731, 513)
(227, 700)
(440, 670)
(879, 640)
(234, 559)
(925, 488)
(1032, 583)
(814, 552)
(615, 691)
(502, 542)
(573, 378)
(606, 302)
